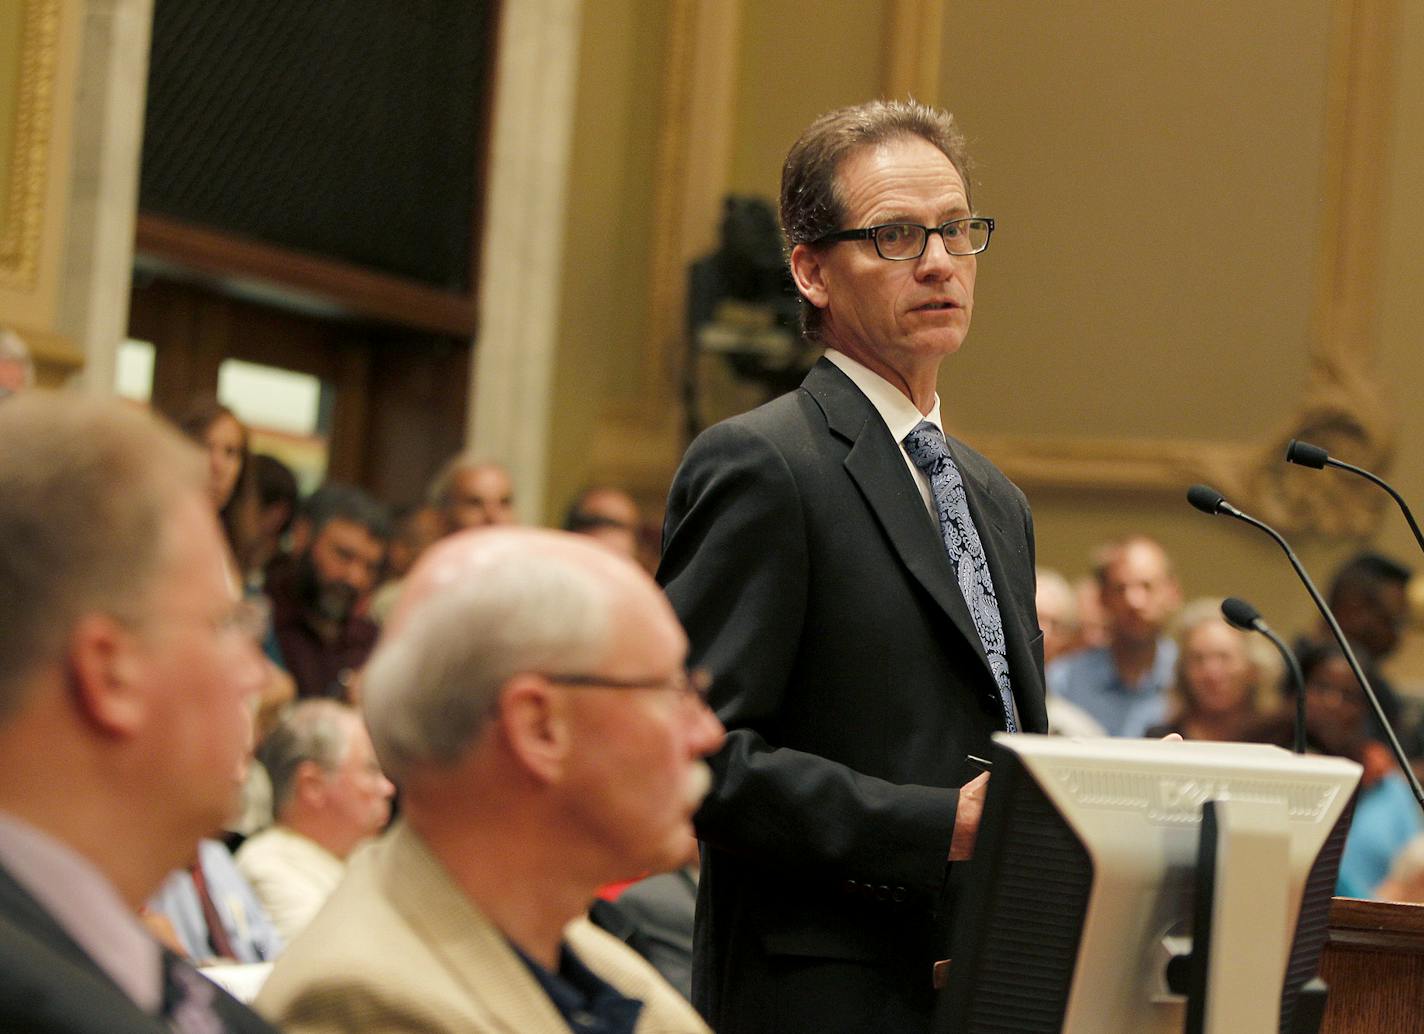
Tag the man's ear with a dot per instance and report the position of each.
(309, 783)
(106, 675)
(535, 724)
(809, 274)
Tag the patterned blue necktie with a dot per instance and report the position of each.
(927, 448)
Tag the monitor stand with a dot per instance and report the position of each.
(1240, 934)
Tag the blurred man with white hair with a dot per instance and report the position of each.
(329, 797)
(529, 699)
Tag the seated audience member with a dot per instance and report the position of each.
(277, 499)
(473, 492)
(215, 429)
(213, 912)
(1121, 684)
(322, 637)
(1057, 614)
(1386, 814)
(328, 797)
(17, 369)
(232, 484)
(1405, 881)
(1368, 595)
(1224, 681)
(126, 694)
(413, 531)
(1092, 620)
(609, 515)
(529, 699)
(1058, 618)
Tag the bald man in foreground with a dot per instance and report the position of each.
(529, 699)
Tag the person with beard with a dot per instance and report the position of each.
(319, 631)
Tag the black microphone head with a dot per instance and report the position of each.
(1306, 455)
(1207, 500)
(1240, 614)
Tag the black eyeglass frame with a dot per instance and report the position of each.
(870, 233)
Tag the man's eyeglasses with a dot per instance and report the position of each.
(691, 686)
(901, 242)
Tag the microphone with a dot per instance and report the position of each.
(1306, 455)
(1240, 614)
(1209, 500)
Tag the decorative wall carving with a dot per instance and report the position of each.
(20, 233)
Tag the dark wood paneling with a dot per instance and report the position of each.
(1374, 965)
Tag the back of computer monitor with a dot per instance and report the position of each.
(1083, 880)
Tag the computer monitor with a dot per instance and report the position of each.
(1089, 865)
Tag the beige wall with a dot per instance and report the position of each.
(1401, 312)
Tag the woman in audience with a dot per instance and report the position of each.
(1386, 814)
(231, 484)
(233, 491)
(1223, 677)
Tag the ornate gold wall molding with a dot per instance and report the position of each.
(26, 191)
(1343, 407)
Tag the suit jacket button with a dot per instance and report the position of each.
(898, 894)
(849, 887)
(882, 893)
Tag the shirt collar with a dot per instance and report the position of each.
(585, 1000)
(85, 904)
(898, 412)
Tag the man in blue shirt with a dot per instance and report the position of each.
(1121, 684)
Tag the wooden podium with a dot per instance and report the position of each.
(1374, 965)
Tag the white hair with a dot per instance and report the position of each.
(434, 680)
(316, 730)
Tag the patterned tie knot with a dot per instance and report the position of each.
(926, 447)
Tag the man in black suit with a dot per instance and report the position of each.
(864, 634)
(127, 687)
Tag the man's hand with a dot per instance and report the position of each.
(966, 818)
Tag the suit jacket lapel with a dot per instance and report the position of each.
(877, 466)
(18, 904)
(475, 953)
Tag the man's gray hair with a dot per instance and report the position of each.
(87, 487)
(434, 681)
(310, 730)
